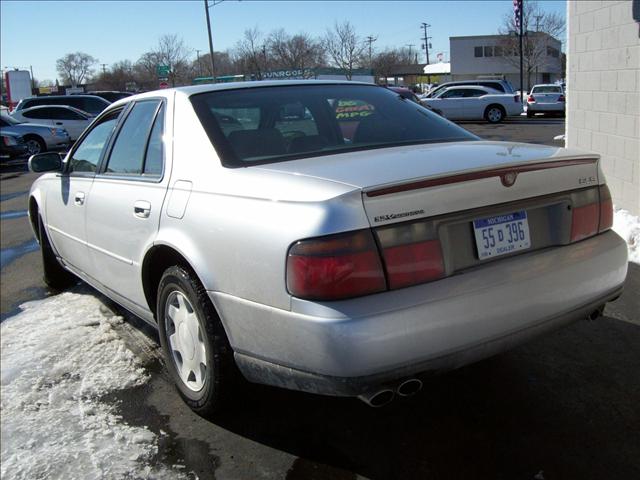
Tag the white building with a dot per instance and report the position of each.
(603, 85)
(485, 56)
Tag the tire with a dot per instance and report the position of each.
(494, 114)
(35, 144)
(196, 349)
(55, 275)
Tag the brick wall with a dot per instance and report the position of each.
(603, 92)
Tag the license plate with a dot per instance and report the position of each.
(502, 234)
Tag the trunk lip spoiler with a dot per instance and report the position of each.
(501, 172)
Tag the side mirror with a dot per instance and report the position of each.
(45, 162)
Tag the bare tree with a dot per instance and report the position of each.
(538, 26)
(117, 77)
(294, 52)
(251, 53)
(74, 68)
(384, 62)
(224, 64)
(344, 48)
(172, 52)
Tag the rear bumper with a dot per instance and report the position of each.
(545, 107)
(348, 347)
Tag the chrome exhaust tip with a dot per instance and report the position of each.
(409, 387)
(378, 399)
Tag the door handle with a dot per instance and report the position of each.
(142, 209)
(79, 198)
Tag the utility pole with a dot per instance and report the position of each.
(370, 39)
(520, 13)
(410, 45)
(213, 67)
(198, 60)
(426, 39)
(104, 68)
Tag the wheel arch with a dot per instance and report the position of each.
(156, 260)
(34, 211)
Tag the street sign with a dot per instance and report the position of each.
(163, 70)
(164, 84)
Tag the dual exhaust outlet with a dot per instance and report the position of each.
(382, 397)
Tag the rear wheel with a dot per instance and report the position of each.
(34, 145)
(494, 114)
(196, 349)
(55, 275)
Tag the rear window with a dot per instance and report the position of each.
(547, 89)
(274, 124)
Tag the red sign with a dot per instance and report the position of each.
(164, 85)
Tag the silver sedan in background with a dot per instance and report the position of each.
(329, 237)
(38, 138)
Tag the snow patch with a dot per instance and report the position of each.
(59, 355)
(628, 227)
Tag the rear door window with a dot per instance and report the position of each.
(45, 113)
(128, 152)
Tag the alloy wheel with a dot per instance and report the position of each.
(186, 341)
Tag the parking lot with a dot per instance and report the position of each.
(561, 407)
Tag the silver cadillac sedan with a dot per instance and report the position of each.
(329, 237)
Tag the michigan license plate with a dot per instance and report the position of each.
(502, 234)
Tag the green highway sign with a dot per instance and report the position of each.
(163, 70)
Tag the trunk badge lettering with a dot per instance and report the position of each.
(509, 178)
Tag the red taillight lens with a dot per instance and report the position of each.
(531, 99)
(606, 209)
(414, 263)
(335, 267)
(412, 253)
(593, 213)
(585, 222)
(561, 98)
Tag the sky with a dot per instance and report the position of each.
(36, 33)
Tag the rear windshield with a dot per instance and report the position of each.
(274, 124)
(547, 89)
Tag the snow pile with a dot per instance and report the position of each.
(628, 227)
(58, 356)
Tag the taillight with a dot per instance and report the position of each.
(606, 209)
(592, 213)
(335, 267)
(412, 253)
(561, 98)
(531, 99)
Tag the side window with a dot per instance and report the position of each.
(477, 51)
(65, 114)
(495, 86)
(453, 93)
(488, 51)
(44, 113)
(474, 92)
(91, 105)
(154, 157)
(127, 155)
(87, 155)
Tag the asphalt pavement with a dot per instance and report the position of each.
(564, 406)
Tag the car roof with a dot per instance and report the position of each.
(214, 87)
(39, 107)
(547, 85)
(82, 95)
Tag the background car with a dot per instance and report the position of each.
(475, 103)
(38, 138)
(74, 121)
(546, 98)
(12, 145)
(87, 103)
(373, 240)
(111, 95)
(502, 86)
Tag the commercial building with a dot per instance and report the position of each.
(496, 56)
(603, 91)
